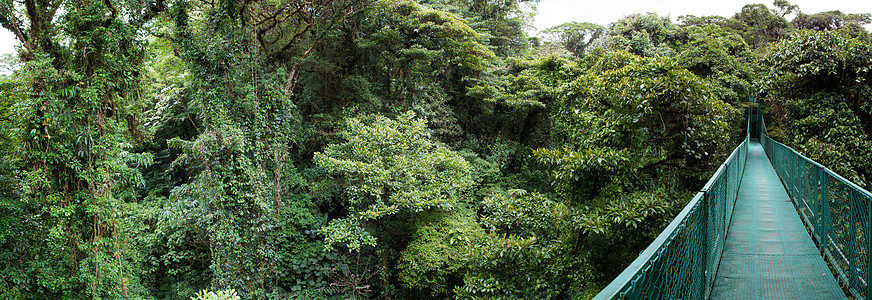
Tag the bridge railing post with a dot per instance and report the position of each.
(797, 181)
(819, 208)
(826, 224)
(703, 285)
(852, 262)
(724, 190)
(866, 236)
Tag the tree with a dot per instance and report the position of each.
(619, 166)
(523, 253)
(722, 58)
(15, 236)
(691, 20)
(502, 23)
(239, 217)
(525, 91)
(266, 82)
(399, 56)
(388, 174)
(641, 34)
(630, 136)
(435, 260)
(759, 25)
(574, 36)
(621, 103)
(785, 8)
(829, 20)
(848, 24)
(387, 168)
(75, 125)
(824, 81)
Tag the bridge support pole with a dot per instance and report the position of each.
(824, 212)
(852, 262)
(707, 276)
(868, 238)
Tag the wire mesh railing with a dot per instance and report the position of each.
(683, 260)
(836, 211)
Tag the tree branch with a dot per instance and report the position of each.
(9, 21)
(669, 158)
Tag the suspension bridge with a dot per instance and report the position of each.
(769, 224)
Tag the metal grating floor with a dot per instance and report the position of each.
(768, 253)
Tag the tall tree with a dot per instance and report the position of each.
(785, 8)
(75, 125)
(575, 37)
(820, 88)
(641, 34)
(394, 181)
(721, 57)
(241, 219)
(502, 23)
(829, 20)
(760, 25)
(848, 24)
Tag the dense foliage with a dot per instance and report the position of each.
(821, 86)
(337, 149)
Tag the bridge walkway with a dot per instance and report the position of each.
(768, 253)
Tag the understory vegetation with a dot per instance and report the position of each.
(390, 149)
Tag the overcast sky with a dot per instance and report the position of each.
(7, 41)
(555, 12)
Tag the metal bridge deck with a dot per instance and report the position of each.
(768, 252)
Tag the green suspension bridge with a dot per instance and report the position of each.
(769, 224)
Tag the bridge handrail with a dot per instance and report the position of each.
(683, 260)
(837, 211)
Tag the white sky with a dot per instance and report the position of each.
(603, 12)
(7, 41)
